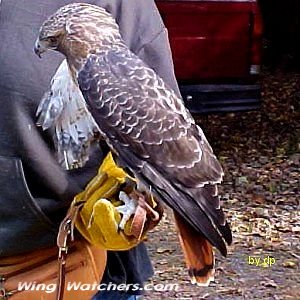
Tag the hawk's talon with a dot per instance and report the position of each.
(154, 214)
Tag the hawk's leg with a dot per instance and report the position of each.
(127, 210)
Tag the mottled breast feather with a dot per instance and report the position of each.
(154, 135)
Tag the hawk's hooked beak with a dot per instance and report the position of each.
(39, 49)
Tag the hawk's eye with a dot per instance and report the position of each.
(52, 39)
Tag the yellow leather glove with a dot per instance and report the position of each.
(99, 219)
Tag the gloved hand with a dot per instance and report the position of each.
(114, 215)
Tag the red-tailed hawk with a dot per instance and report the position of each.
(142, 120)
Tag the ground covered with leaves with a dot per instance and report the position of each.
(260, 155)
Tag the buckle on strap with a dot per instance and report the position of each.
(4, 294)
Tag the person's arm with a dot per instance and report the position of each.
(157, 54)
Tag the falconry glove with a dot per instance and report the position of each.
(114, 215)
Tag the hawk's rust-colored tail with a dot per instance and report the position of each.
(197, 251)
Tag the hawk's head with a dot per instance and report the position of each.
(76, 29)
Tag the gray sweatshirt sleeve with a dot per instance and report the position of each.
(157, 54)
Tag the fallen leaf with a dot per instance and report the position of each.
(289, 264)
(161, 250)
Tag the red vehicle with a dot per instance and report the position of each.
(216, 48)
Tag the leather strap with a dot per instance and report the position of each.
(145, 217)
(64, 237)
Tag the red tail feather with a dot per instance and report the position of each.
(198, 253)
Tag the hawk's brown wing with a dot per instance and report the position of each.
(148, 127)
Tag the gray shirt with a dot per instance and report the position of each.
(34, 190)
